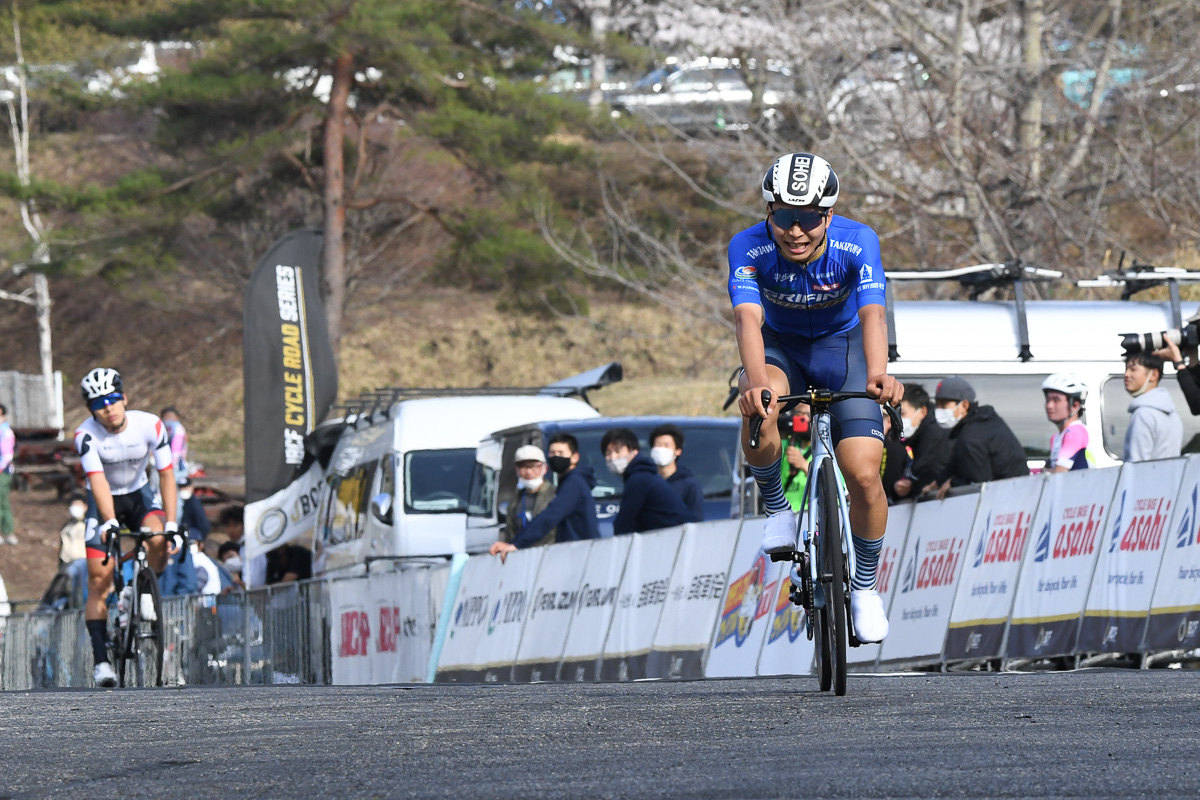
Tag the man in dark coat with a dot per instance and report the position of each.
(666, 446)
(930, 442)
(649, 502)
(983, 447)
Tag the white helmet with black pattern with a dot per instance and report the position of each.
(1068, 384)
(100, 382)
(801, 179)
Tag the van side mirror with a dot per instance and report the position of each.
(381, 507)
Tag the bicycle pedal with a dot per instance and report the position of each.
(787, 555)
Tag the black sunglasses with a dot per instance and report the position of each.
(785, 218)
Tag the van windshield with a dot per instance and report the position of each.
(708, 451)
(437, 481)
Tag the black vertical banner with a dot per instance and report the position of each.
(290, 378)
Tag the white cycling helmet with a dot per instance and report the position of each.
(801, 179)
(1068, 384)
(100, 382)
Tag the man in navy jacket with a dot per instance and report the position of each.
(572, 511)
(666, 446)
(649, 502)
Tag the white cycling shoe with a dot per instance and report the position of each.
(870, 620)
(104, 675)
(779, 533)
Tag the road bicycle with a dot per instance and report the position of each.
(824, 563)
(137, 642)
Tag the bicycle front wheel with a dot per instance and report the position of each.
(149, 638)
(832, 578)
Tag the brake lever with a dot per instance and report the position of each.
(757, 422)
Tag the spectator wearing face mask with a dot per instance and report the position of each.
(929, 442)
(72, 555)
(534, 494)
(572, 512)
(983, 447)
(191, 512)
(666, 446)
(649, 502)
(896, 462)
(1155, 428)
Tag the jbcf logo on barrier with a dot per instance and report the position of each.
(356, 634)
(392, 626)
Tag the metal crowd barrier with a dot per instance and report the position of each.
(278, 634)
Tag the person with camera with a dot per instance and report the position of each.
(1155, 428)
(796, 439)
(1187, 369)
(929, 442)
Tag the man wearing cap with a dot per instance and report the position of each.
(534, 493)
(983, 447)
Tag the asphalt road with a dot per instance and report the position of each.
(1084, 734)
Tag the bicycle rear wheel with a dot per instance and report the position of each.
(833, 577)
(149, 640)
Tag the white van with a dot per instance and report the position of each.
(402, 478)
(980, 341)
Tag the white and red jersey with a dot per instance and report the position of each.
(123, 457)
(1068, 447)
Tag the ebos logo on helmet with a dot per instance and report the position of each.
(801, 168)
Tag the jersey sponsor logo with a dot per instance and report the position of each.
(850, 247)
(755, 252)
(808, 300)
(745, 273)
(85, 444)
(867, 273)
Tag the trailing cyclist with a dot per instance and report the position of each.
(115, 445)
(808, 300)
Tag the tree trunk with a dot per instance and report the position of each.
(1033, 22)
(333, 262)
(599, 61)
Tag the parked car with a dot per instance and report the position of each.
(707, 95)
(710, 448)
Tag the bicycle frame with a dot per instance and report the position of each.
(822, 450)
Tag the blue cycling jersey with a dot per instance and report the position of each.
(818, 299)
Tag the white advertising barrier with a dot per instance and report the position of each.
(750, 589)
(1058, 564)
(988, 582)
(640, 601)
(1174, 622)
(1130, 556)
(555, 599)
(693, 600)
(599, 589)
(286, 515)
(899, 518)
(933, 554)
(403, 617)
(349, 603)
(490, 610)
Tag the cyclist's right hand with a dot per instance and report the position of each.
(750, 402)
(111, 526)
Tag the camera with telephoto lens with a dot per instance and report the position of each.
(1187, 336)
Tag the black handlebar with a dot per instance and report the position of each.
(111, 547)
(820, 399)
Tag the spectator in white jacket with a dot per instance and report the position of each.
(1155, 428)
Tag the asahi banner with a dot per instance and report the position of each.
(989, 575)
(290, 379)
(1130, 555)
(1175, 612)
(1056, 572)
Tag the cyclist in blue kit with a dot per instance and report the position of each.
(808, 303)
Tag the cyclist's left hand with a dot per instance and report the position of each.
(885, 389)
